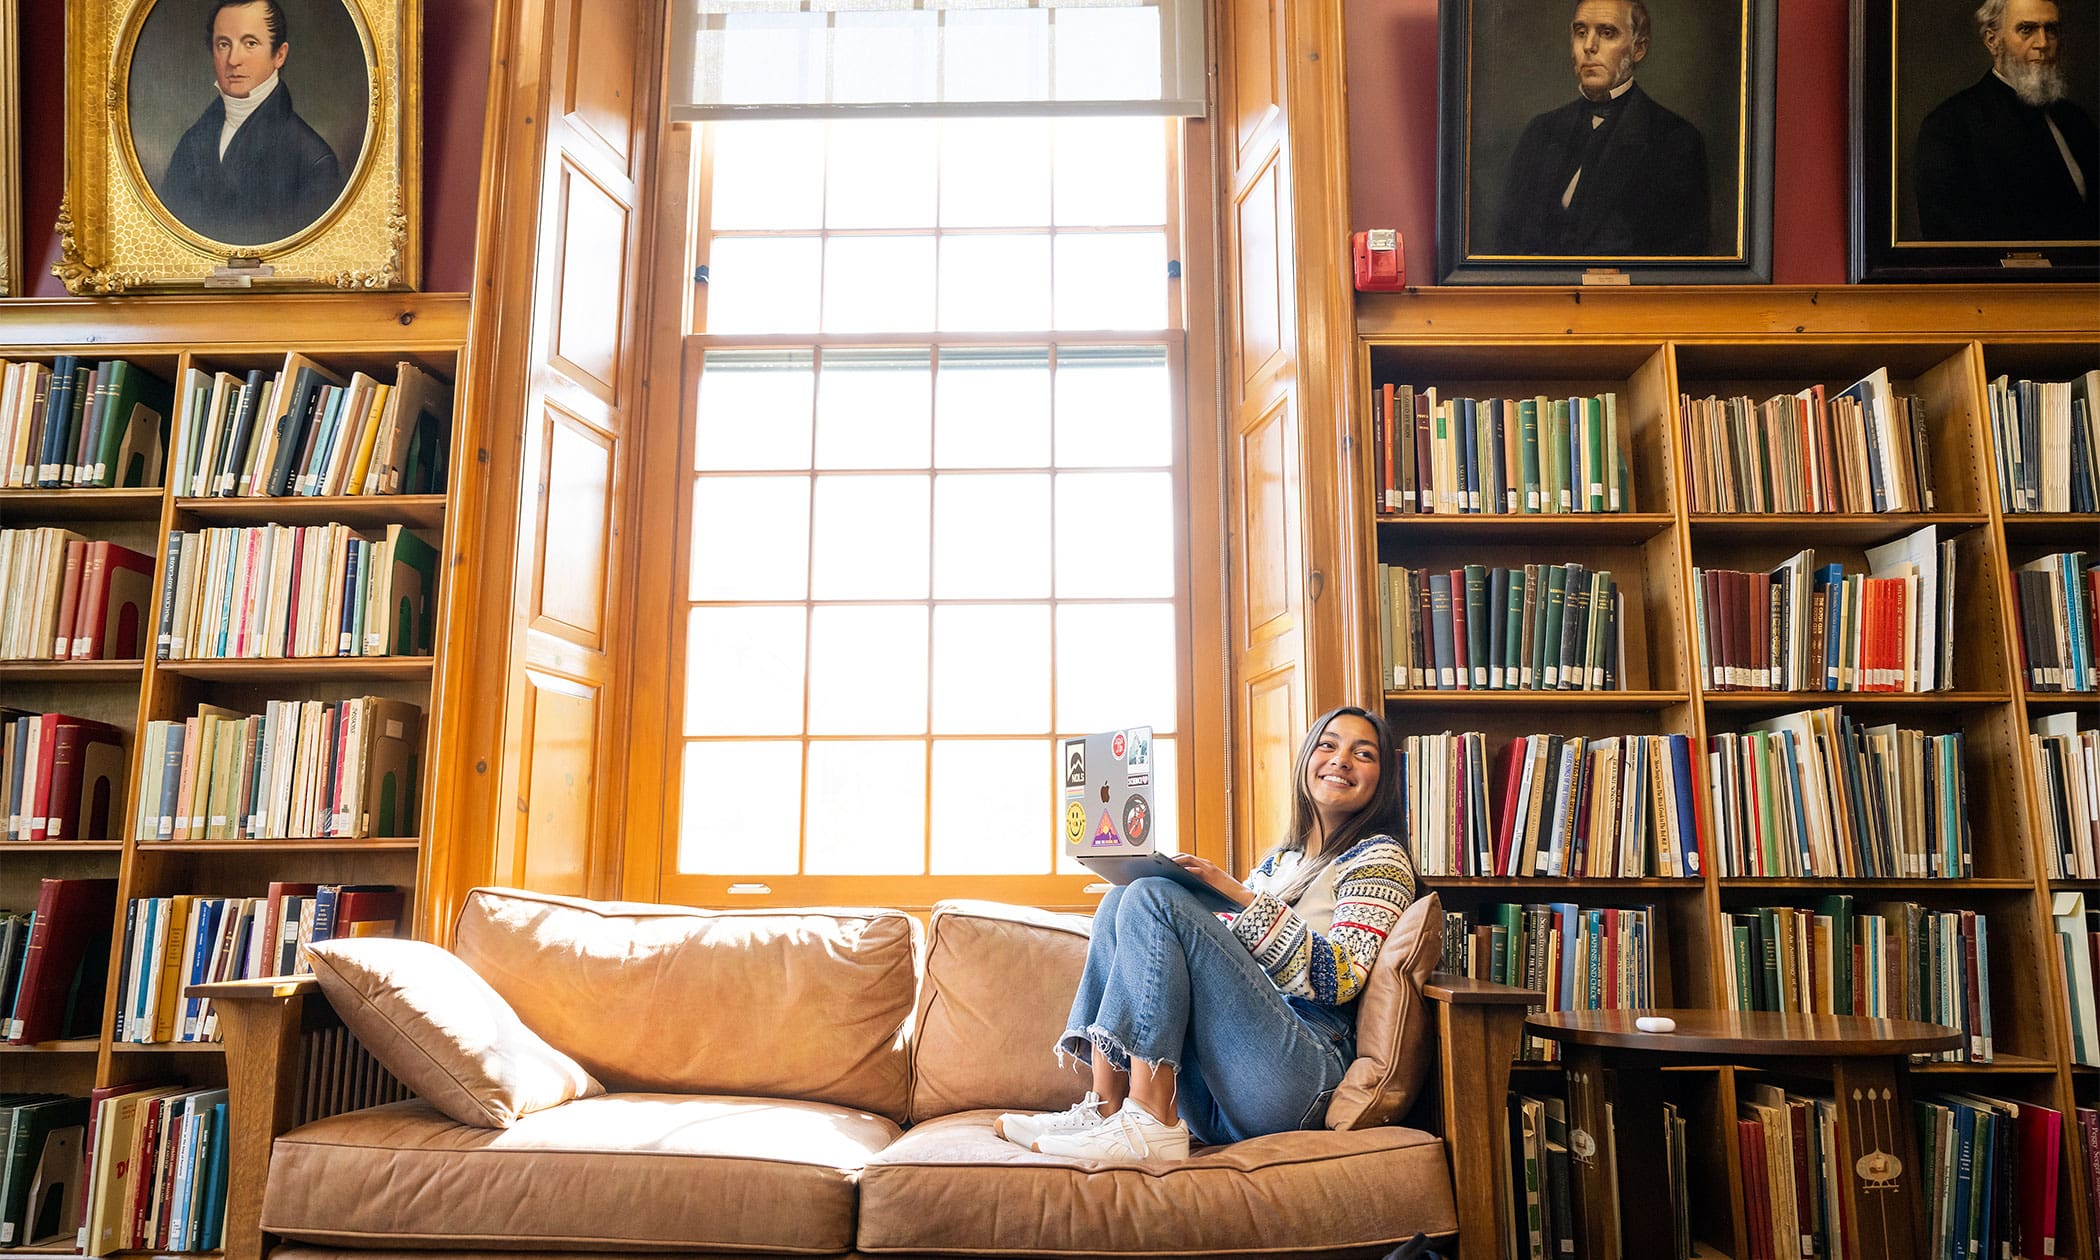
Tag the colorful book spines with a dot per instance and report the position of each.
(1499, 455)
(1473, 628)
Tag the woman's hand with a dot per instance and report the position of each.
(1218, 880)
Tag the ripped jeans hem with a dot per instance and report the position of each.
(1077, 1044)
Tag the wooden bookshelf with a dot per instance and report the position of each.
(1941, 343)
(168, 336)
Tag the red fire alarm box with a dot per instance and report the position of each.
(1379, 266)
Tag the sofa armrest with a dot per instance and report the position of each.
(1479, 1025)
(260, 1021)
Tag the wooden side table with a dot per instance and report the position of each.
(1867, 1061)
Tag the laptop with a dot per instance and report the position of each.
(1107, 817)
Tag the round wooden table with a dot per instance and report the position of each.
(1613, 1063)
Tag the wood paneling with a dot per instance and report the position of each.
(562, 741)
(1259, 300)
(574, 534)
(591, 284)
(603, 103)
(1269, 536)
(1272, 727)
(1251, 92)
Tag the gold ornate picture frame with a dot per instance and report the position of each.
(12, 282)
(218, 144)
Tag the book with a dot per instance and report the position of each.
(65, 967)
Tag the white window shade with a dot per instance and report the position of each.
(843, 58)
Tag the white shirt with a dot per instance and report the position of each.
(239, 107)
(1316, 907)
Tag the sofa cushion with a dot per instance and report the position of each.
(951, 1185)
(999, 982)
(444, 1032)
(774, 1004)
(1395, 1043)
(620, 1172)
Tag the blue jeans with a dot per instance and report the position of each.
(1169, 983)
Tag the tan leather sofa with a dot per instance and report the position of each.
(823, 1083)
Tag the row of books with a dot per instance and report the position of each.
(1803, 628)
(1557, 805)
(65, 597)
(305, 430)
(157, 1170)
(1885, 959)
(2058, 598)
(1988, 1176)
(77, 423)
(297, 590)
(40, 1144)
(1815, 794)
(1499, 455)
(1581, 958)
(2043, 435)
(1544, 627)
(64, 776)
(2066, 764)
(171, 943)
(1862, 449)
(301, 768)
(1542, 1177)
(57, 961)
(2077, 932)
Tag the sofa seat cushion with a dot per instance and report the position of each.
(619, 1172)
(952, 1186)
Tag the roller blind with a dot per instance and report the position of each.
(845, 58)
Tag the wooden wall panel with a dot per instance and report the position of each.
(602, 102)
(571, 587)
(1272, 732)
(1260, 308)
(1270, 536)
(592, 283)
(1251, 93)
(563, 743)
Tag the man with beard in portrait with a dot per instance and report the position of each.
(2010, 159)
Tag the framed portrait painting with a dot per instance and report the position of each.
(1974, 155)
(241, 144)
(1605, 141)
(12, 282)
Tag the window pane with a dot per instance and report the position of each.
(878, 284)
(740, 808)
(991, 669)
(765, 57)
(1115, 536)
(995, 283)
(750, 537)
(1111, 172)
(1115, 666)
(768, 175)
(1107, 54)
(884, 173)
(874, 409)
(870, 538)
(753, 410)
(1111, 280)
(867, 808)
(867, 670)
(991, 536)
(884, 56)
(743, 671)
(1114, 407)
(992, 409)
(995, 172)
(1166, 822)
(992, 807)
(762, 284)
(996, 55)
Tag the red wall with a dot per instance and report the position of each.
(1392, 134)
(455, 94)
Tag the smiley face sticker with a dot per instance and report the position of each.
(1075, 823)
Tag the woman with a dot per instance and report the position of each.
(1227, 1026)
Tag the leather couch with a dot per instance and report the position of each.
(823, 1083)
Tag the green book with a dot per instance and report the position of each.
(1554, 487)
(1769, 945)
(1512, 659)
(1546, 661)
(1838, 909)
(1618, 492)
(1745, 979)
(1528, 452)
(1477, 637)
(1594, 457)
(1534, 601)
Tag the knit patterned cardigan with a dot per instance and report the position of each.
(1373, 882)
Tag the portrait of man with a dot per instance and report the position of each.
(1612, 172)
(2011, 157)
(271, 140)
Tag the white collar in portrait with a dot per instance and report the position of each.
(239, 107)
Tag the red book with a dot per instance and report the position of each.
(1512, 783)
(66, 967)
(1804, 1207)
(1972, 1007)
(1387, 482)
(68, 599)
(1757, 1196)
(70, 767)
(95, 558)
(1458, 629)
(273, 910)
(1710, 630)
(2089, 1131)
(2040, 1133)
(116, 590)
(1611, 960)
(369, 912)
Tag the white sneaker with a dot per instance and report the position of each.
(1131, 1133)
(1025, 1130)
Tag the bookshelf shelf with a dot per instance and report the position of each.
(322, 844)
(2052, 529)
(1569, 527)
(424, 511)
(2000, 1064)
(343, 668)
(168, 1047)
(60, 846)
(71, 671)
(1538, 883)
(1859, 528)
(1853, 699)
(1592, 700)
(84, 1045)
(1760, 883)
(80, 505)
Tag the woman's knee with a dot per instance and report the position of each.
(1155, 898)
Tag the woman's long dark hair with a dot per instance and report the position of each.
(1382, 813)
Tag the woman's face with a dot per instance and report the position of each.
(1342, 774)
